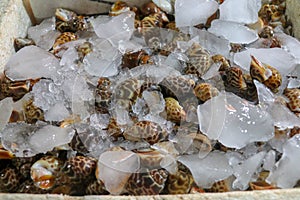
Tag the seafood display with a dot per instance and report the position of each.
(153, 100)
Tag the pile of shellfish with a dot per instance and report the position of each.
(146, 112)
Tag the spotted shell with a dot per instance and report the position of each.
(266, 32)
(148, 131)
(62, 39)
(199, 60)
(32, 113)
(118, 8)
(29, 187)
(44, 171)
(262, 72)
(294, 99)
(77, 169)
(205, 91)
(151, 182)
(84, 49)
(113, 129)
(234, 80)
(103, 95)
(95, 188)
(220, 186)
(177, 87)
(258, 71)
(9, 180)
(174, 110)
(133, 59)
(77, 145)
(19, 43)
(179, 183)
(127, 91)
(14, 89)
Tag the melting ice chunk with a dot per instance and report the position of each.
(46, 94)
(269, 160)
(44, 34)
(289, 43)
(193, 12)
(246, 12)
(114, 169)
(28, 140)
(214, 167)
(211, 116)
(31, 62)
(115, 28)
(234, 121)
(57, 112)
(232, 31)
(155, 101)
(275, 57)
(246, 169)
(286, 172)
(6, 108)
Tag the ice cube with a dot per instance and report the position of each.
(46, 94)
(269, 160)
(244, 171)
(290, 44)
(57, 112)
(211, 116)
(286, 172)
(44, 34)
(247, 12)
(155, 101)
(232, 31)
(101, 67)
(214, 167)
(234, 121)
(6, 108)
(115, 168)
(48, 137)
(193, 12)
(31, 62)
(115, 28)
(275, 57)
(26, 140)
(99, 121)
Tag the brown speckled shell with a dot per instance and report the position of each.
(205, 91)
(175, 111)
(145, 130)
(147, 183)
(294, 99)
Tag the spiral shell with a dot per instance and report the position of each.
(44, 171)
(205, 91)
(151, 182)
(293, 94)
(175, 111)
(179, 183)
(145, 130)
(9, 180)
